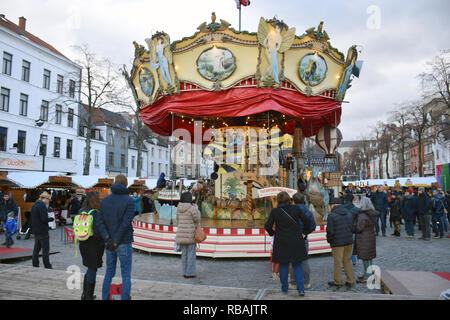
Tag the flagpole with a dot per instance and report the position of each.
(239, 18)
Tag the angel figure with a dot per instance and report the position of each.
(350, 63)
(160, 55)
(275, 43)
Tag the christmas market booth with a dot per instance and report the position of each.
(246, 100)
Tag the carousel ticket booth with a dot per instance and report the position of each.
(248, 99)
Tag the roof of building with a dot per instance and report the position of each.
(18, 30)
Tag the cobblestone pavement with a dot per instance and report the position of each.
(392, 254)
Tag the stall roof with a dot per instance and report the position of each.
(415, 181)
(31, 179)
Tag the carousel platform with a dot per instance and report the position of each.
(226, 238)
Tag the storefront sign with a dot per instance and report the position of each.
(273, 191)
(16, 164)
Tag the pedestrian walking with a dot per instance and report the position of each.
(409, 208)
(380, 202)
(340, 237)
(137, 203)
(439, 207)
(92, 249)
(395, 213)
(115, 220)
(365, 240)
(10, 228)
(423, 202)
(188, 219)
(299, 201)
(39, 226)
(349, 205)
(7, 205)
(288, 245)
(74, 205)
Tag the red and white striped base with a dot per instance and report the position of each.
(221, 242)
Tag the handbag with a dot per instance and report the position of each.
(199, 234)
(445, 210)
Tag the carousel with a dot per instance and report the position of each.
(248, 99)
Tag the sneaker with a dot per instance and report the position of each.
(301, 294)
(361, 280)
(436, 237)
(292, 286)
(307, 285)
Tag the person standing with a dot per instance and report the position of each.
(161, 183)
(137, 203)
(396, 214)
(365, 240)
(147, 201)
(188, 219)
(115, 221)
(423, 202)
(39, 227)
(299, 201)
(288, 244)
(409, 208)
(348, 204)
(7, 205)
(10, 228)
(438, 216)
(74, 205)
(340, 237)
(92, 249)
(380, 202)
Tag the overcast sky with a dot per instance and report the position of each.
(396, 37)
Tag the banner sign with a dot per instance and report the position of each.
(273, 191)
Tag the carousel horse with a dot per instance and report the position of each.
(317, 198)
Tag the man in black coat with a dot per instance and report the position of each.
(39, 226)
(423, 203)
(340, 236)
(380, 202)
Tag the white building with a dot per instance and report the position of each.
(35, 79)
(158, 157)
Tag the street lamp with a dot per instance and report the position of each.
(43, 142)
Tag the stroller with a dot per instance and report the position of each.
(25, 230)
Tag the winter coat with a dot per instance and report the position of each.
(10, 225)
(365, 240)
(75, 206)
(340, 227)
(93, 248)
(7, 207)
(39, 218)
(161, 183)
(423, 202)
(439, 203)
(309, 214)
(288, 244)
(188, 218)
(351, 207)
(137, 203)
(409, 207)
(116, 215)
(396, 213)
(147, 204)
(380, 201)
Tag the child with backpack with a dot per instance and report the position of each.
(92, 246)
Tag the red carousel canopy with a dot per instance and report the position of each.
(311, 112)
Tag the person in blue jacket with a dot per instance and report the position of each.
(439, 203)
(409, 208)
(115, 220)
(161, 183)
(381, 204)
(137, 203)
(10, 228)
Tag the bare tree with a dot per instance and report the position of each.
(436, 80)
(401, 132)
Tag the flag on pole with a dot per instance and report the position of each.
(242, 2)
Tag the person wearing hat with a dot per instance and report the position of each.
(39, 226)
(10, 228)
(340, 236)
(424, 211)
(409, 208)
(396, 214)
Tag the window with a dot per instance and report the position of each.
(56, 147)
(111, 139)
(25, 71)
(72, 88)
(59, 83)
(44, 111)
(58, 114)
(4, 100)
(43, 147)
(167, 171)
(159, 168)
(95, 134)
(133, 158)
(3, 136)
(123, 142)
(153, 168)
(111, 159)
(23, 104)
(153, 152)
(21, 137)
(69, 149)
(96, 158)
(160, 154)
(70, 118)
(46, 80)
(7, 63)
(122, 160)
(167, 155)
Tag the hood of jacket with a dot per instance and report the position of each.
(118, 188)
(184, 206)
(341, 210)
(372, 214)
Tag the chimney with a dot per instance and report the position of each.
(22, 23)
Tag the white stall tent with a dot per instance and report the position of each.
(404, 182)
